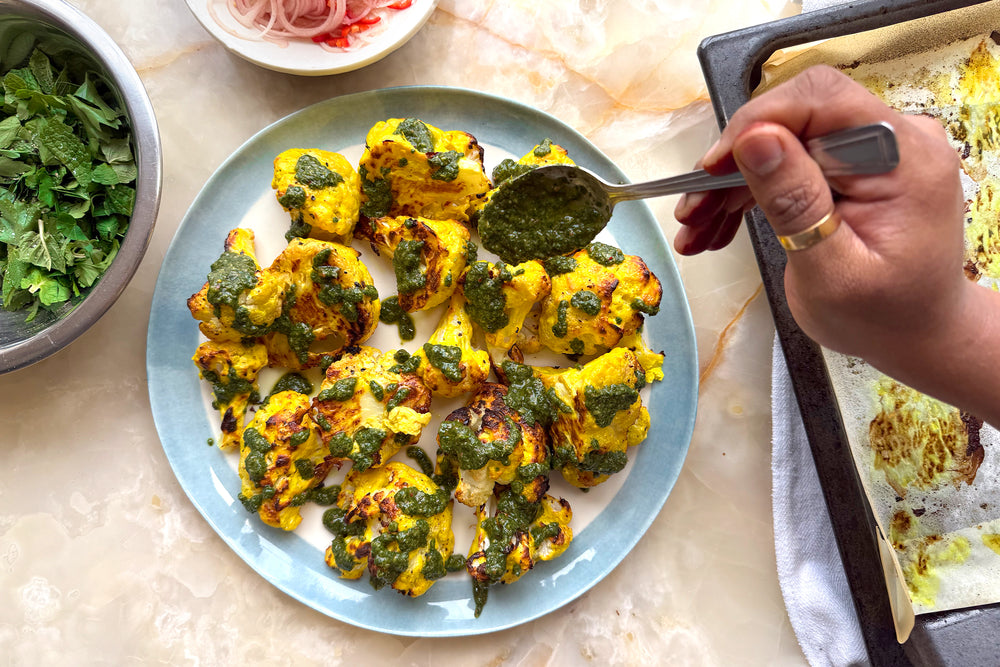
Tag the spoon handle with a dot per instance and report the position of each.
(868, 149)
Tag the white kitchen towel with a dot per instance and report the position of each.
(811, 5)
(810, 571)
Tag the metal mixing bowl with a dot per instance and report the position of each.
(69, 30)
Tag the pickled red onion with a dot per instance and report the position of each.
(323, 21)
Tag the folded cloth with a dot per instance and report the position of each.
(810, 571)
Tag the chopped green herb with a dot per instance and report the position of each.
(66, 163)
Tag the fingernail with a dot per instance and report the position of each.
(687, 204)
(710, 154)
(760, 154)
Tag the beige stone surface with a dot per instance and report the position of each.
(104, 560)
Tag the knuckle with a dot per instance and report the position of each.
(800, 202)
(819, 82)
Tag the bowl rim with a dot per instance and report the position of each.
(65, 18)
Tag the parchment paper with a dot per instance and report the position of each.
(933, 474)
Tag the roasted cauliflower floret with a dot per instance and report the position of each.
(543, 153)
(368, 407)
(411, 168)
(601, 298)
(652, 362)
(282, 460)
(519, 534)
(500, 299)
(238, 300)
(231, 368)
(448, 363)
(321, 192)
(428, 256)
(395, 522)
(330, 303)
(600, 416)
(490, 444)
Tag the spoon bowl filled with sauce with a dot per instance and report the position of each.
(557, 209)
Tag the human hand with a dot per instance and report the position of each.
(888, 284)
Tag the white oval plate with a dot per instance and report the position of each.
(303, 56)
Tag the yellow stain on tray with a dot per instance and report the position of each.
(992, 540)
(978, 94)
(921, 442)
(982, 233)
(922, 558)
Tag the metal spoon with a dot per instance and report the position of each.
(556, 209)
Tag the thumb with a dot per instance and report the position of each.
(785, 181)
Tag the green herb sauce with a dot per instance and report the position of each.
(604, 403)
(527, 396)
(341, 445)
(294, 197)
(225, 389)
(393, 313)
(397, 399)
(232, 274)
(586, 301)
(423, 461)
(417, 133)
(561, 327)
(444, 166)
(559, 265)
(534, 217)
(605, 254)
(406, 264)
(292, 382)
(486, 303)
(377, 192)
(643, 307)
(341, 390)
(542, 149)
(299, 438)
(411, 500)
(461, 442)
(325, 495)
(445, 358)
(315, 174)
(305, 468)
(368, 442)
(434, 566)
(405, 363)
(508, 169)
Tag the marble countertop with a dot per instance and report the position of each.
(104, 560)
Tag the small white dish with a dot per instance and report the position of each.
(303, 56)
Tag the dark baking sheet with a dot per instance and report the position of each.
(732, 64)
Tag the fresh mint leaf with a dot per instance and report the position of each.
(13, 275)
(41, 68)
(11, 169)
(59, 139)
(104, 174)
(121, 199)
(10, 128)
(117, 151)
(48, 288)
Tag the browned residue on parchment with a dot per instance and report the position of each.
(920, 442)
